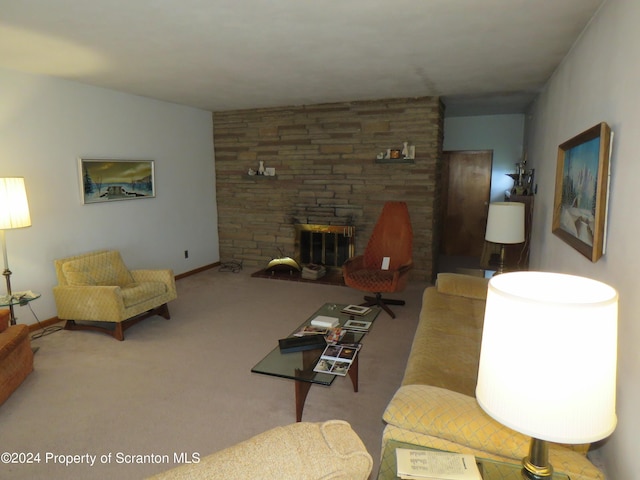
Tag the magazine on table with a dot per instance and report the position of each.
(432, 465)
(311, 330)
(331, 335)
(337, 358)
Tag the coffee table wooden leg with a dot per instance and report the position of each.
(353, 373)
(302, 389)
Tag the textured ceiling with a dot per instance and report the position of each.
(234, 54)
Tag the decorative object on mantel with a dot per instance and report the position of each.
(406, 154)
(261, 168)
(582, 191)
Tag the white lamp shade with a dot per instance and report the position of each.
(14, 207)
(548, 356)
(505, 222)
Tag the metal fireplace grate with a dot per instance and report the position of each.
(328, 245)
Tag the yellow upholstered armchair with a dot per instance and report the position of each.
(97, 287)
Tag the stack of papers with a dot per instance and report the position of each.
(427, 464)
(313, 271)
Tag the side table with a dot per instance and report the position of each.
(17, 298)
(489, 469)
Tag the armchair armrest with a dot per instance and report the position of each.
(165, 276)
(354, 263)
(96, 303)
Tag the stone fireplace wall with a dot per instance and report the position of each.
(326, 173)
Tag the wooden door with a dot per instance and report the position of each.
(466, 181)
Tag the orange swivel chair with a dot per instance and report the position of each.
(385, 264)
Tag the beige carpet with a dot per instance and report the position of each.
(184, 385)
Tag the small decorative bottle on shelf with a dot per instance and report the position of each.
(261, 168)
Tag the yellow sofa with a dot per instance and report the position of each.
(98, 287)
(16, 356)
(435, 406)
(300, 451)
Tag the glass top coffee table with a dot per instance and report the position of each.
(298, 366)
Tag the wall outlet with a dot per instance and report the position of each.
(186, 254)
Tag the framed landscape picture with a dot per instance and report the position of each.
(582, 191)
(106, 180)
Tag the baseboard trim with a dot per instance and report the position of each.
(197, 270)
(34, 327)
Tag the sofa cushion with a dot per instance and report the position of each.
(446, 346)
(106, 268)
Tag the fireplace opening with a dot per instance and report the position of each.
(328, 245)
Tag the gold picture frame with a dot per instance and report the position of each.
(582, 191)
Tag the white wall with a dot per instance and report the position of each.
(46, 124)
(599, 81)
(501, 133)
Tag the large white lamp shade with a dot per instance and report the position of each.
(548, 356)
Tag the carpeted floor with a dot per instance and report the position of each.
(184, 385)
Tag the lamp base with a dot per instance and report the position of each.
(7, 276)
(536, 466)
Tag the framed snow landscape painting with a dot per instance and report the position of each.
(582, 191)
(112, 180)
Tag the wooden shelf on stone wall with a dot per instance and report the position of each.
(395, 160)
(259, 177)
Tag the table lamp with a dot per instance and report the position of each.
(505, 225)
(14, 213)
(548, 361)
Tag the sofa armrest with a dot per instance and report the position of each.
(304, 451)
(93, 303)
(458, 418)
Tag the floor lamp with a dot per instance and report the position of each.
(548, 361)
(14, 213)
(505, 225)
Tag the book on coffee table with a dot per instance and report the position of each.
(337, 359)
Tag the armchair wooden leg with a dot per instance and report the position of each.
(118, 333)
(163, 311)
(120, 327)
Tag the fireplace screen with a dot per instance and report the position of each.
(328, 245)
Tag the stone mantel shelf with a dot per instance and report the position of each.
(395, 160)
(270, 177)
